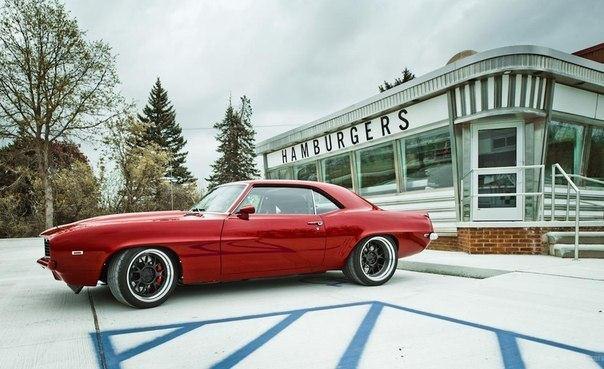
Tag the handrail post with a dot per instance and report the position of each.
(542, 207)
(567, 200)
(553, 202)
(462, 197)
(577, 210)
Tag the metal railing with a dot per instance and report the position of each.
(472, 195)
(569, 184)
(557, 172)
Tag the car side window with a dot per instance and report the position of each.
(323, 204)
(280, 200)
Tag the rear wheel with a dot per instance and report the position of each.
(372, 262)
(142, 278)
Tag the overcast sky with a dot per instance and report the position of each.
(301, 60)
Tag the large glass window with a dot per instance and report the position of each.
(595, 162)
(428, 160)
(376, 170)
(306, 172)
(564, 146)
(281, 173)
(336, 170)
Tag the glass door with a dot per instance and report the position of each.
(496, 155)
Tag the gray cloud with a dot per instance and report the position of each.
(300, 60)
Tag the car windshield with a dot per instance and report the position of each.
(220, 199)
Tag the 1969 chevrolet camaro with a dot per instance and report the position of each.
(241, 230)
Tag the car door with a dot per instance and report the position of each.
(283, 235)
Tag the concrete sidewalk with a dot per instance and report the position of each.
(416, 320)
(485, 266)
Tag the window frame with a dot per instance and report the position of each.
(310, 188)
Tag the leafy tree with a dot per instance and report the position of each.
(138, 182)
(407, 76)
(54, 84)
(76, 189)
(236, 146)
(164, 131)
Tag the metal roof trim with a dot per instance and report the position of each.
(440, 80)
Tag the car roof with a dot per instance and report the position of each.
(344, 196)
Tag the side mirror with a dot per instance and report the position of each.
(244, 212)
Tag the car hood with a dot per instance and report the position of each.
(152, 216)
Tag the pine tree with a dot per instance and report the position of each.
(407, 76)
(162, 129)
(236, 146)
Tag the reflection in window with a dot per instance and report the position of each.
(376, 170)
(595, 162)
(428, 160)
(564, 146)
(281, 173)
(336, 170)
(306, 172)
(497, 147)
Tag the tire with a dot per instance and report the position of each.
(142, 278)
(372, 262)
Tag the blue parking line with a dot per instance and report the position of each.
(234, 358)
(354, 351)
(510, 352)
(508, 340)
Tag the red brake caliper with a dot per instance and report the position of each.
(159, 278)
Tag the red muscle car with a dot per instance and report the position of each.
(241, 230)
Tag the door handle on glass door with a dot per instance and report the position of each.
(317, 223)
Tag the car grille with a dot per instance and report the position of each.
(46, 247)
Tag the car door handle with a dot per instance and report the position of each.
(317, 223)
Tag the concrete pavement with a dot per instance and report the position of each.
(417, 320)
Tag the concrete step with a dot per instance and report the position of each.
(564, 250)
(586, 237)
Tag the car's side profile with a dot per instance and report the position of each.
(242, 230)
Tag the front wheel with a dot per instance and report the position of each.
(142, 278)
(372, 262)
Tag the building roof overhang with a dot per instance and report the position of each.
(565, 67)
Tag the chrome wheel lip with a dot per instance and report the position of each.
(390, 255)
(165, 287)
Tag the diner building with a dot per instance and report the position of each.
(474, 144)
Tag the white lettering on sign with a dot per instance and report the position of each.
(411, 117)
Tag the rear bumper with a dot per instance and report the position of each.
(431, 236)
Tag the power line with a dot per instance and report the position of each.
(255, 126)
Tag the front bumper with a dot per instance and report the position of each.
(48, 263)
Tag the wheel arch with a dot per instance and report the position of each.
(365, 237)
(174, 256)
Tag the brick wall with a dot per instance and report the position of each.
(501, 240)
(444, 243)
(517, 240)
